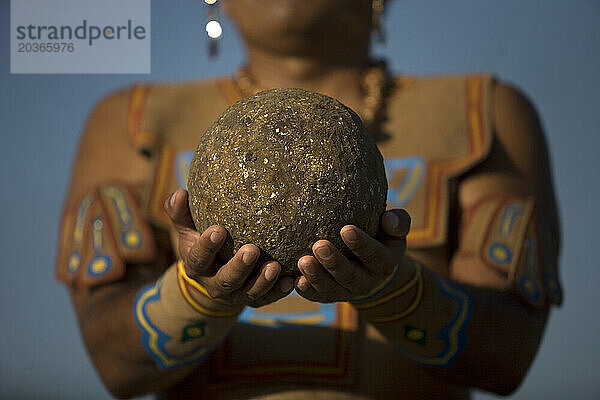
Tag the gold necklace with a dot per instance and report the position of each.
(375, 84)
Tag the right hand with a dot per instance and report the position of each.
(232, 283)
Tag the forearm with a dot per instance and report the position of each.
(112, 339)
(502, 339)
(477, 337)
(144, 338)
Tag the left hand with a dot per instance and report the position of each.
(330, 276)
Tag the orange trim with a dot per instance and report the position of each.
(137, 102)
(141, 139)
(145, 140)
(439, 171)
(474, 117)
(65, 244)
(111, 248)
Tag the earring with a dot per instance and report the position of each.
(213, 26)
(377, 19)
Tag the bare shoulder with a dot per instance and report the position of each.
(515, 117)
(158, 97)
(518, 160)
(171, 96)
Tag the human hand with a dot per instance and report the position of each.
(330, 276)
(234, 282)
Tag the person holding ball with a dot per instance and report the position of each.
(452, 293)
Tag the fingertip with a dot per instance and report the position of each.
(407, 219)
(395, 223)
(170, 201)
(173, 204)
(286, 285)
(323, 249)
(404, 220)
(304, 259)
(390, 221)
(302, 283)
(249, 254)
(304, 262)
(215, 234)
(251, 247)
(272, 270)
(349, 233)
(320, 243)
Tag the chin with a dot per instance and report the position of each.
(275, 17)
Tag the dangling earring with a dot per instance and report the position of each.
(377, 19)
(213, 26)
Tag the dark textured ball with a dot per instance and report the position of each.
(283, 169)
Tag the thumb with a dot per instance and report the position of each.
(178, 211)
(394, 224)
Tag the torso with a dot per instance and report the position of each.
(294, 349)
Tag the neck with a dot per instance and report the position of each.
(336, 75)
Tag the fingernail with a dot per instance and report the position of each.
(172, 199)
(286, 285)
(307, 268)
(302, 283)
(350, 235)
(392, 219)
(248, 257)
(271, 272)
(216, 237)
(323, 251)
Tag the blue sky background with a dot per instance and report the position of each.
(549, 48)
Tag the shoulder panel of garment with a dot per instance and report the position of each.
(442, 127)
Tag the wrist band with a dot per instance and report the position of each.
(173, 332)
(416, 280)
(381, 287)
(187, 285)
(425, 316)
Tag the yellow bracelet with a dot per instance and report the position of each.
(412, 307)
(379, 288)
(183, 278)
(416, 279)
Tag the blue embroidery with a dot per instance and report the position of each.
(400, 194)
(453, 334)
(326, 315)
(99, 265)
(530, 289)
(509, 215)
(182, 167)
(500, 253)
(154, 340)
